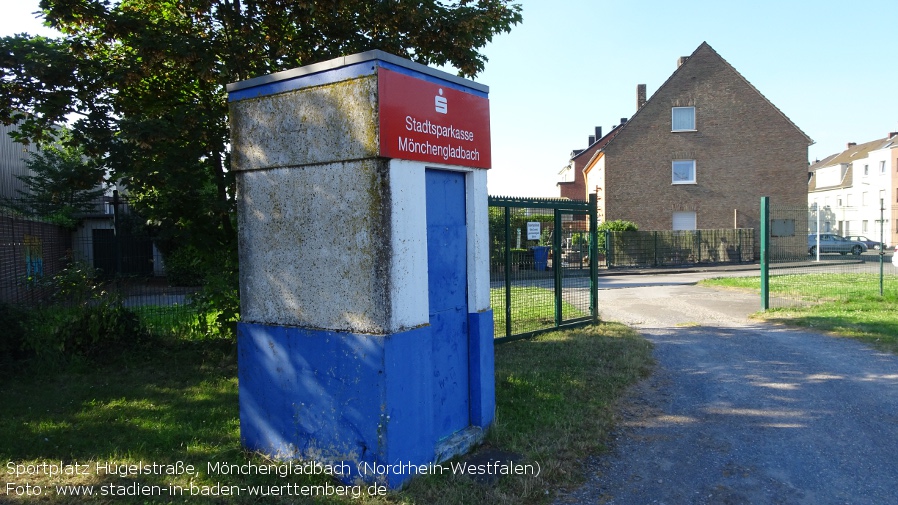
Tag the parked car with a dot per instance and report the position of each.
(871, 244)
(830, 243)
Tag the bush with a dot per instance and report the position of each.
(615, 225)
(14, 321)
(618, 225)
(83, 319)
(183, 267)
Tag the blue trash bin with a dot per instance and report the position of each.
(540, 257)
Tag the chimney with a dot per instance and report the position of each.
(681, 60)
(851, 144)
(598, 132)
(892, 134)
(623, 120)
(592, 140)
(640, 96)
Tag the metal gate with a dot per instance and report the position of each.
(543, 268)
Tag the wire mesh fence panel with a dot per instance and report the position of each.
(673, 248)
(540, 268)
(105, 250)
(815, 257)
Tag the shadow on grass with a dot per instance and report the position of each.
(177, 401)
(167, 399)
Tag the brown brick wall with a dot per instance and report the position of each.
(744, 149)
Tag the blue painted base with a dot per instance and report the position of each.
(365, 400)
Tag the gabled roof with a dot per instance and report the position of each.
(599, 143)
(851, 154)
(847, 157)
(705, 47)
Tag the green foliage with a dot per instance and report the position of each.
(65, 182)
(62, 332)
(618, 225)
(183, 267)
(146, 82)
(83, 319)
(14, 321)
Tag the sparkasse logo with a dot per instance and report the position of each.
(440, 104)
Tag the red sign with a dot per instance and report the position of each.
(426, 121)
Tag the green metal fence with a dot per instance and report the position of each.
(669, 248)
(794, 274)
(107, 250)
(542, 276)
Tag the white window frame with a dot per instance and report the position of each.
(673, 122)
(673, 172)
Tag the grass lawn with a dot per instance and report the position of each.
(174, 402)
(847, 305)
(532, 308)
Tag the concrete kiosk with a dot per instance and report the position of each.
(366, 335)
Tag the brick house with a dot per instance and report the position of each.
(573, 182)
(700, 153)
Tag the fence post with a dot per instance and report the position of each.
(557, 266)
(882, 224)
(765, 258)
(593, 258)
(698, 245)
(608, 250)
(116, 232)
(507, 271)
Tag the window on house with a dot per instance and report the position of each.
(683, 119)
(683, 172)
(864, 226)
(684, 220)
(882, 166)
(864, 199)
(866, 170)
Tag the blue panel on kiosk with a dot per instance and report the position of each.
(336, 397)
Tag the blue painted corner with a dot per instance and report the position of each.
(482, 368)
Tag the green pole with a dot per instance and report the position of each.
(882, 252)
(507, 272)
(765, 259)
(593, 258)
(557, 267)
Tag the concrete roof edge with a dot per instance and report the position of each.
(352, 59)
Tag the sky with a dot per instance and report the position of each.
(573, 65)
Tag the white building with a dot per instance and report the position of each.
(855, 190)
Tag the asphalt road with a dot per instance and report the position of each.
(740, 412)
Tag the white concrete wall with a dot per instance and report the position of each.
(408, 240)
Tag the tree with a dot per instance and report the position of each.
(144, 81)
(65, 182)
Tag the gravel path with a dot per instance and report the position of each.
(741, 412)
